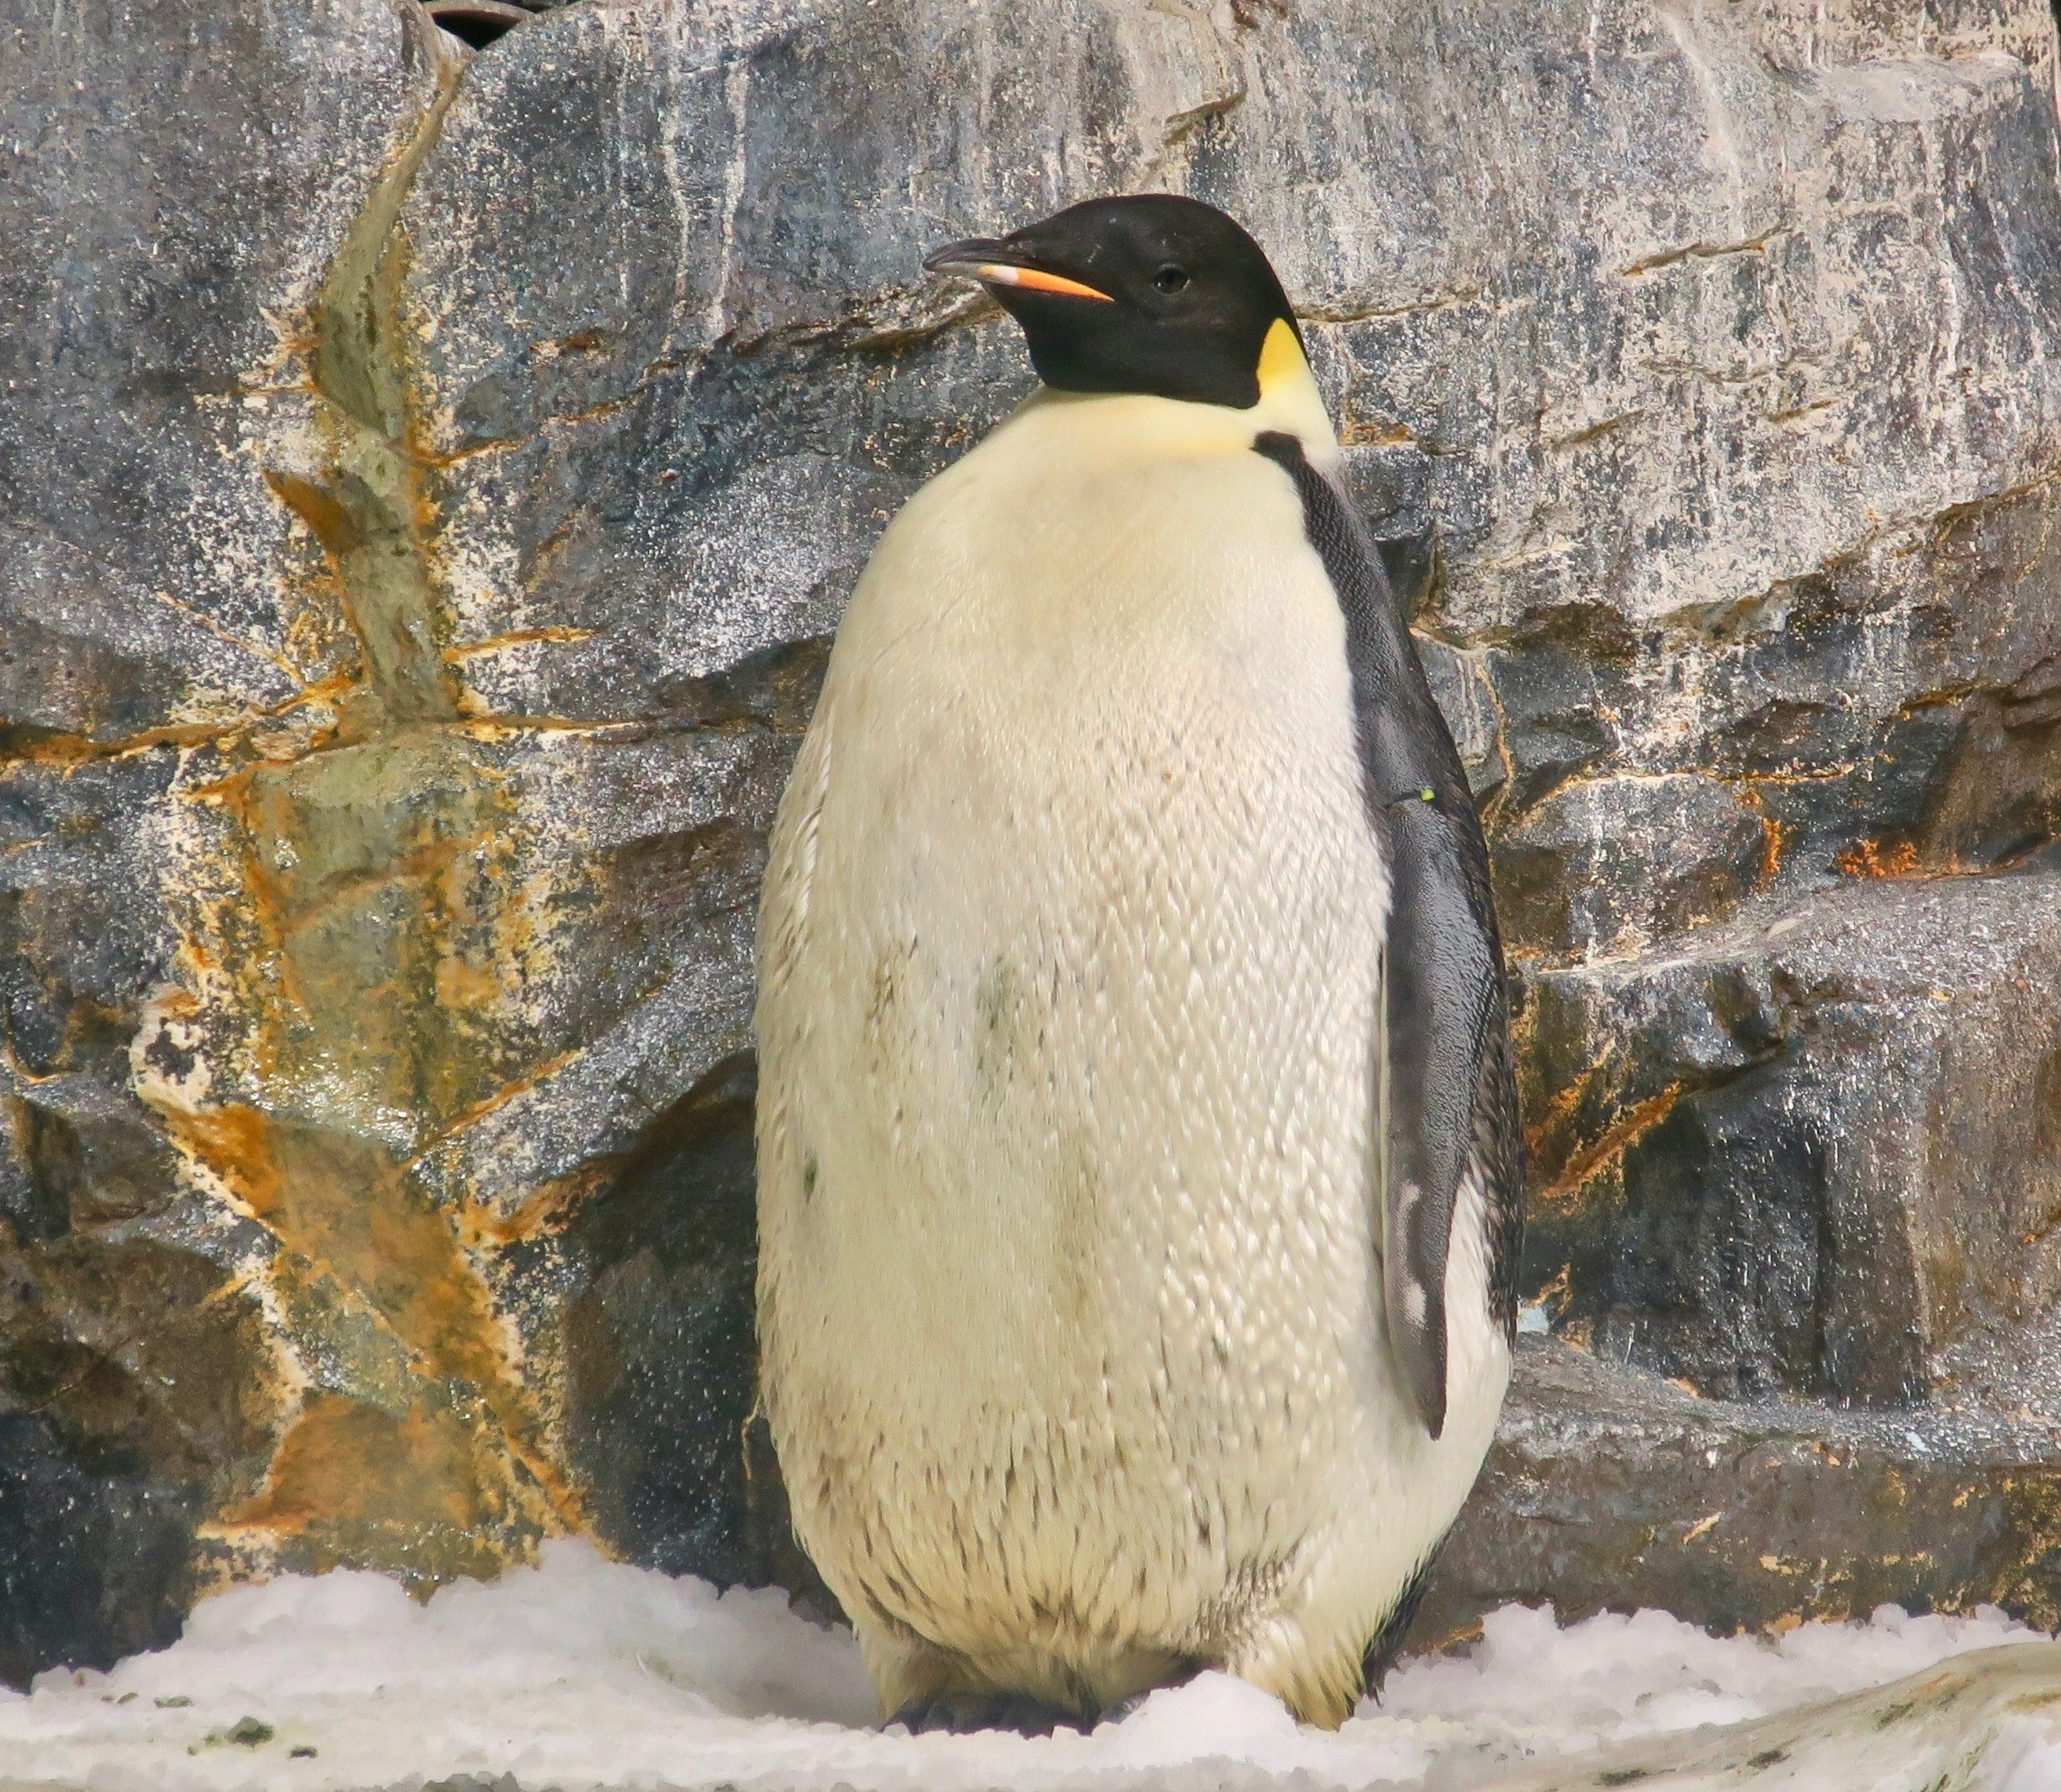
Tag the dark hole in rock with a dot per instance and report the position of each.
(1411, 561)
(477, 22)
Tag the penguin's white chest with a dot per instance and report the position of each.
(1071, 962)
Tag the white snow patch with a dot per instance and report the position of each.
(581, 1673)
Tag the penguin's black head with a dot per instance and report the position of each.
(1151, 294)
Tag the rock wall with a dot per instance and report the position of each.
(427, 486)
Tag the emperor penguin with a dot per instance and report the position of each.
(1140, 1179)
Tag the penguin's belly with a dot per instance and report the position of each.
(1069, 1273)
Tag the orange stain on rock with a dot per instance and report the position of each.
(353, 1485)
(325, 514)
(351, 938)
(235, 1143)
(1872, 858)
(1618, 1138)
(344, 1461)
(1544, 1137)
(344, 1212)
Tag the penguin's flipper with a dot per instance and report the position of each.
(1441, 1065)
(1441, 994)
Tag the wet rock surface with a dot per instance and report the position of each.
(1608, 1488)
(1805, 1151)
(427, 487)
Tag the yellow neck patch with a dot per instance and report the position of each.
(1280, 358)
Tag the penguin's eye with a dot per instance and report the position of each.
(1171, 278)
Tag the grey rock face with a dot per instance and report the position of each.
(427, 488)
(179, 178)
(1833, 1140)
(1605, 1478)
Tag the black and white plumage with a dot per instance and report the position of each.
(1448, 1097)
(1140, 1175)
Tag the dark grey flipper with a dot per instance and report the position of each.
(1448, 1090)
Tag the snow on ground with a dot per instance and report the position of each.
(582, 1673)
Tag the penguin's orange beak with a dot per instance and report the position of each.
(996, 264)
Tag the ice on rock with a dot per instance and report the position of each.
(581, 1673)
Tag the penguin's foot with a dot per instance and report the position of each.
(1123, 1708)
(961, 1712)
